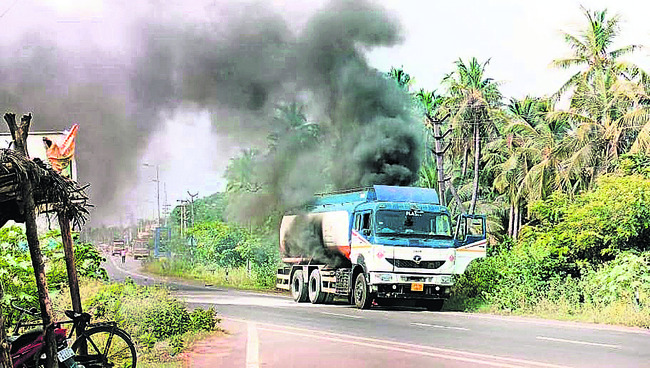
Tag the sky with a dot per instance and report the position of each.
(520, 38)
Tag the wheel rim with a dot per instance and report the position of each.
(358, 292)
(296, 286)
(118, 353)
(312, 286)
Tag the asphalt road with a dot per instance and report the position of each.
(281, 333)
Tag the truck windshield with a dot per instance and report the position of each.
(412, 223)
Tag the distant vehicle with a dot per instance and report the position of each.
(118, 247)
(380, 244)
(140, 248)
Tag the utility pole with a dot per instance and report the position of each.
(439, 153)
(158, 193)
(182, 202)
(157, 188)
(166, 206)
(192, 205)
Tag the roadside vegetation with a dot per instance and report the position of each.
(160, 325)
(218, 252)
(563, 178)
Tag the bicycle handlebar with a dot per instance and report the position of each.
(32, 311)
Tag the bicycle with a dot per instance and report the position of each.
(99, 345)
(27, 349)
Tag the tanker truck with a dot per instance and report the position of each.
(380, 245)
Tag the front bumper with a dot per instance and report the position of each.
(404, 291)
(391, 278)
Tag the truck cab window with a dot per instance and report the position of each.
(357, 222)
(366, 222)
(363, 223)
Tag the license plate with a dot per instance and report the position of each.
(417, 286)
(65, 354)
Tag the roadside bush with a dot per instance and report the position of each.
(167, 318)
(204, 319)
(149, 314)
(160, 325)
(596, 225)
(626, 278)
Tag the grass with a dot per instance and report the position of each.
(558, 308)
(622, 313)
(133, 302)
(210, 275)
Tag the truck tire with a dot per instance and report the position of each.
(316, 294)
(432, 305)
(298, 289)
(361, 295)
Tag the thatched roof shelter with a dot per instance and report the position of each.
(53, 193)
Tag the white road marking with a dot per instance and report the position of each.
(399, 349)
(579, 342)
(342, 315)
(252, 347)
(367, 341)
(548, 322)
(440, 326)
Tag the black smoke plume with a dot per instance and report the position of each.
(241, 62)
(254, 63)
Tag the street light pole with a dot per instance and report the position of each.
(158, 192)
(157, 187)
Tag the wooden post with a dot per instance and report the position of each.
(66, 237)
(73, 280)
(19, 134)
(5, 358)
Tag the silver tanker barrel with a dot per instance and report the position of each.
(316, 238)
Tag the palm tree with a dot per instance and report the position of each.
(240, 173)
(291, 122)
(403, 79)
(608, 117)
(591, 51)
(473, 99)
(521, 162)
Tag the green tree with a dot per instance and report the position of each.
(473, 100)
(608, 117)
(591, 50)
(403, 79)
(240, 173)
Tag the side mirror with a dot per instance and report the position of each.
(365, 232)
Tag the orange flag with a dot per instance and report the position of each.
(60, 155)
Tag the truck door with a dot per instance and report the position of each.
(361, 233)
(470, 240)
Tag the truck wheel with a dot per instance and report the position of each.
(362, 298)
(433, 305)
(316, 294)
(298, 290)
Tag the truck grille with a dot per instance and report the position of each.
(409, 263)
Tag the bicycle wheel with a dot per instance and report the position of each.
(107, 347)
